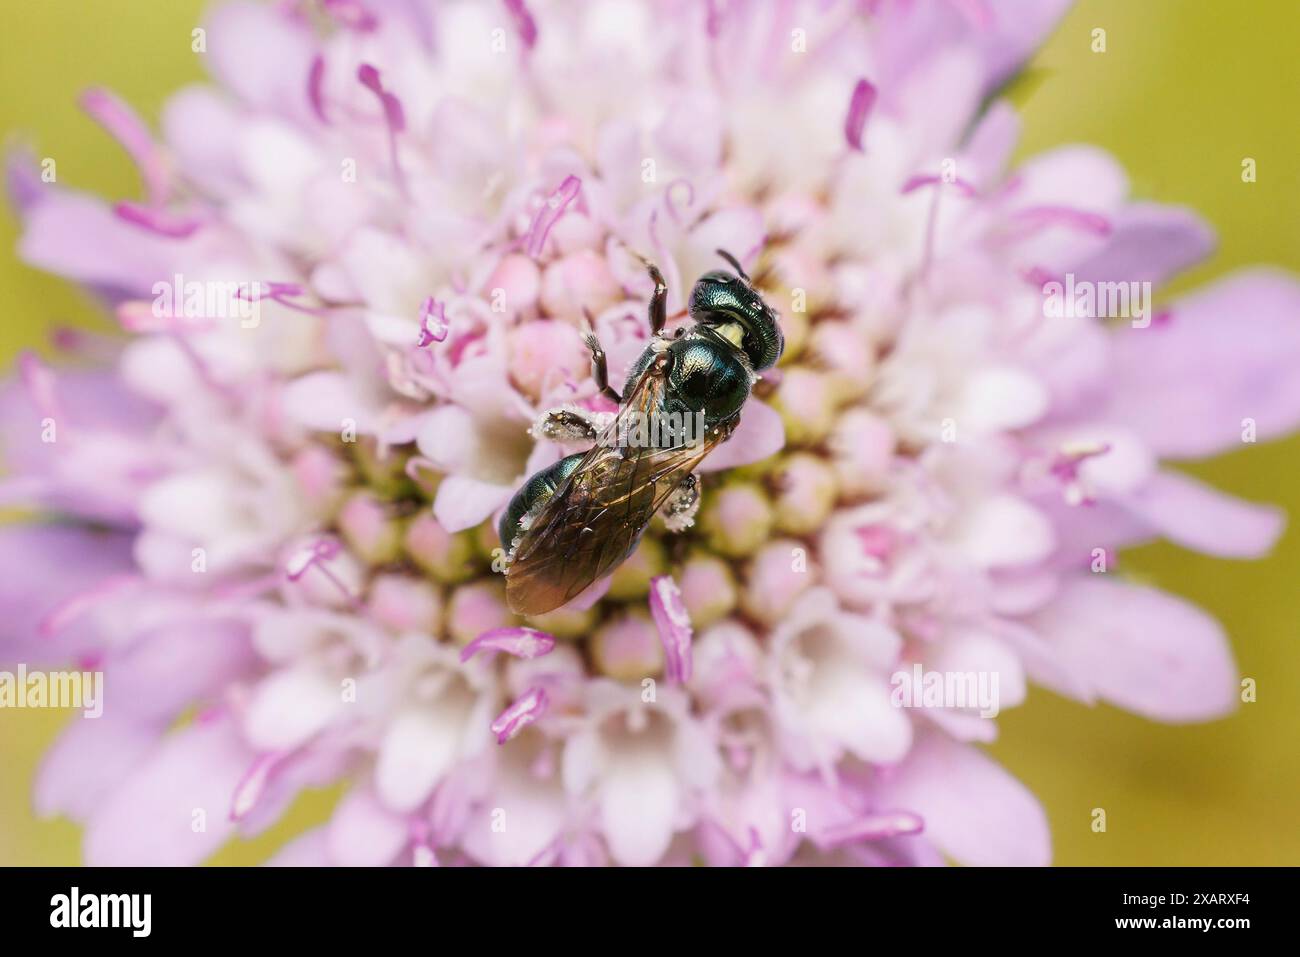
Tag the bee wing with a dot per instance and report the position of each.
(595, 519)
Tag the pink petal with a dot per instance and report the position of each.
(1196, 515)
(151, 817)
(530, 706)
(992, 142)
(23, 179)
(759, 435)
(1148, 243)
(1141, 649)
(42, 567)
(326, 401)
(464, 502)
(262, 54)
(310, 849)
(973, 810)
(129, 130)
(1228, 353)
(363, 833)
(89, 759)
(524, 643)
(80, 238)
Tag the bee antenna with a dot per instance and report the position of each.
(735, 264)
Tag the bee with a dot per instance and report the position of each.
(574, 522)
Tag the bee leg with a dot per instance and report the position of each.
(567, 424)
(679, 511)
(600, 365)
(658, 300)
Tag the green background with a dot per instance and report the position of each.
(1185, 90)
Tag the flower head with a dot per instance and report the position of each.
(363, 266)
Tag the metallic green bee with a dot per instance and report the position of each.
(577, 520)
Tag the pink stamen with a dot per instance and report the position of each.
(39, 382)
(527, 643)
(550, 213)
(671, 205)
(674, 626)
(417, 463)
(316, 555)
(524, 22)
(394, 117)
(316, 88)
(139, 316)
(530, 706)
(125, 126)
(860, 106)
(158, 221)
(282, 292)
(929, 179)
(69, 610)
(24, 184)
(253, 784)
(433, 322)
(1065, 468)
(1068, 460)
(873, 827)
(1033, 219)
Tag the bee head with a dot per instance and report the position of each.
(720, 298)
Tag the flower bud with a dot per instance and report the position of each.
(805, 493)
(806, 401)
(370, 529)
(447, 557)
(708, 589)
(402, 603)
(574, 232)
(384, 474)
(862, 448)
(632, 578)
(580, 280)
(544, 351)
(736, 519)
(518, 280)
(780, 572)
(846, 355)
(627, 647)
(320, 477)
(476, 608)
